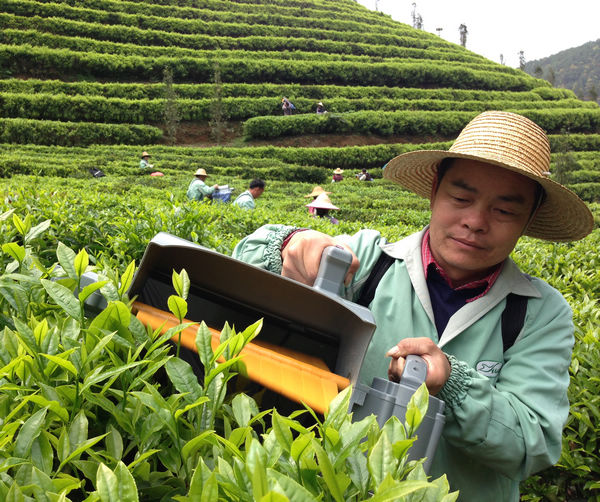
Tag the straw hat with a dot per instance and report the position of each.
(145, 154)
(320, 104)
(200, 172)
(316, 191)
(338, 171)
(512, 142)
(322, 202)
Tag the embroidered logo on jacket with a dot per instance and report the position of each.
(489, 368)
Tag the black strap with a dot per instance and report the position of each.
(381, 266)
(513, 316)
(513, 319)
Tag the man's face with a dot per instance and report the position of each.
(478, 213)
(257, 192)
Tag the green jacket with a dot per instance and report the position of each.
(245, 200)
(197, 190)
(504, 410)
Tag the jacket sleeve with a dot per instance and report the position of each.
(515, 425)
(262, 248)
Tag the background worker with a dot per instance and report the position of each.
(198, 189)
(246, 199)
(337, 175)
(446, 289)
(314, 194)
(322, 205)
(144, 164)
(320, 108)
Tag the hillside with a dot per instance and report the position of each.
(76, 73)
(577, 69)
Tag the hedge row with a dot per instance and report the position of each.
(583, 146)
(219, 28)
(64, 167)
(150, 37)
(255, 17)
(75, 133)
(294, 91)
(590, 192)
(410, 123)
(82, 44)
(198, 10)
(98, 109)
(36, 61)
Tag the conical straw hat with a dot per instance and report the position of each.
(515, 143)
(316, 191)
(322, 202)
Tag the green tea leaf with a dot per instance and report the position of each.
(293, 490)
(63, 363)
(19, 224)
(14, 251)
(177, 283)
(184, 379)
(256, 468)
(126, 484)
(63, 297)
(78, 430)
(42, 453)
(193, 444)
(328, 473)
(66, 258)
(36, 231)
(126, 278)
(107, 484)
(89, 289)
(30, 430)
(81, 262)
(178, 306)
(381, 461)
(114, 443)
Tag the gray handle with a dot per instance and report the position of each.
(415, 371)
(334, 265)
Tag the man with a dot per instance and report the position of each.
(198, 189)
(246, 199)
(444, 294)
(144, 164)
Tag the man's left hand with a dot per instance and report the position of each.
(438, 367)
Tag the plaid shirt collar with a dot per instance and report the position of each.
(428, 260)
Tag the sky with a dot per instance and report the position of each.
(539, 28)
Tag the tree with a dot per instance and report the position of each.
(419, 25)
(501, 58)
(417, 20)
(538, 72)
(462, 30)
(522, 60)
(217, 122)
(593, 92)
(551, 76)
(170, 111)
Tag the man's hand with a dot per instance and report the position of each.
(302, 256)
(438, 367)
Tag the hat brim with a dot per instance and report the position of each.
(313, 194)
(322, 205)
(563, 216)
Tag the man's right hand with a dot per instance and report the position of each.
(302, 256)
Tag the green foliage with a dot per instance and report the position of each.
(97, 408)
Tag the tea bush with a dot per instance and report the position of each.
(113, 219)
(95, 407)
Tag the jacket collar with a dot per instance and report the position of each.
(510, 280)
